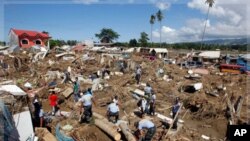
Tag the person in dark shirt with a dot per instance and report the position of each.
(175, 109)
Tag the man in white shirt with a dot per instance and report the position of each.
(87, 100)
(113, 111)
(149, 126)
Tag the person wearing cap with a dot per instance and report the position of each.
(53, 101)
(113, 111)
(149, 126)
(175, 109)
(87, 100)
(138, 73)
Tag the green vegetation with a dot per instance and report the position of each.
(144, 39)
(133, 43)
(109, 34)
(152, 21)
(2, 43)
(59, 43)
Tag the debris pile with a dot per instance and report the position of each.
(209, 99)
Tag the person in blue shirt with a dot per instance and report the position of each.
(175, 109)
(113, 111)
(149, 126)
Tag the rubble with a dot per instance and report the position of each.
(206, 101)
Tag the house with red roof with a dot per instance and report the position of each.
(27, 38)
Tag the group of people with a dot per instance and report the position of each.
(147, 103)
(149, 126)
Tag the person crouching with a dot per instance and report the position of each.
(113, 111)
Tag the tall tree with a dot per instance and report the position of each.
(144, 39)
(160, 17)
(108, 34)
(210, 4)
(133, 43)
(152, 21)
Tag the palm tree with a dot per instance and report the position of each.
(159, 16)
(152, 21)
(210, 4)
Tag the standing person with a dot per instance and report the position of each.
(67, 77)
(115, 100)
(148, 89)
(149, 126)
(76, 91)
(87, 100)
(89, 90)
(175, 109)
(53, 101)
(113, 111)
(143, 107)
(38, 113)
(152, 104)
(138, 73)
(122, 67)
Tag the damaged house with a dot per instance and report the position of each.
(25, 39)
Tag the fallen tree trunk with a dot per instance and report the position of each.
(126, 131)
(108, 129)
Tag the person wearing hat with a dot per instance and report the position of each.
(87, 100)
(175, 109)
(149, 126)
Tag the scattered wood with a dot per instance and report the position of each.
(67, 92)
(108, 129)
(44, 134)
(126, 131)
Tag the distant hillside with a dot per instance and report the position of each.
(241, 41)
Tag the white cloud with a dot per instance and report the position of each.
(162, 5)
(222, 9)
(166, 29)
(227, 19)
(86, 1)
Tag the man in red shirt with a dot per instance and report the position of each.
(53, 101)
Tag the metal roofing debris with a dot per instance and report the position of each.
(24, 125)
(210, 54)
(13, 89)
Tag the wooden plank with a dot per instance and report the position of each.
(67, 92)
(139, 92)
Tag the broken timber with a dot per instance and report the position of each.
(108, 129)
(126, 131)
